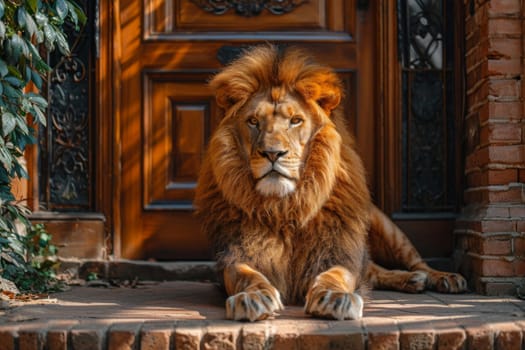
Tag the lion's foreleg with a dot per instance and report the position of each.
(332, 295)
(251, 296)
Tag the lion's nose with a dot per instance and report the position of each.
(272, 156)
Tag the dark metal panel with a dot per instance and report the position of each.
(67, 148)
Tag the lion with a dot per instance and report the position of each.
(283, 198)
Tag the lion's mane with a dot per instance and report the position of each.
(324, 221)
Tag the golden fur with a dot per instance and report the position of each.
(282, 193)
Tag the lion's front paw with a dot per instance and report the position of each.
(444, 282)
(337, 305)
(254, 305)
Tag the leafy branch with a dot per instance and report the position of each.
(27, 28)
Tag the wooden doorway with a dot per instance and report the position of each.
(168, 50)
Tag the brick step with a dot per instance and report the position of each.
(190, 315)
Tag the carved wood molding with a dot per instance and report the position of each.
(248, 8)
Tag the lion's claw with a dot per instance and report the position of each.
(336, 305)
(447, 282)
(253, 306)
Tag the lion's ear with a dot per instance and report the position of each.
(228, 95)
(327, 94)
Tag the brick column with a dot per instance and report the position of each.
(490, 234)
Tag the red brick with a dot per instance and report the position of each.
(521, 175)
(88, 337)
(338, 335)
(506, 154)
(501, 26)
(496, 212)
(124, 336)
(508, 337)
(519, 267)
(510, 195)
(501, 177)
(475, 179)
(187, 336)
(500, 246)
(517, 211)
(451, 339)
(253, 336)
(520, 226)
(286, 336)
(500, 134)
(383, 333)
(56, 340)
(221, 336)
(479, 337)
(160, 340)
(519, 246)
(497, 226)
(506, 68)
(504, 7)
(504, 111)
(504, 89)
(493, 267)
(504, 48)
(8, 337)
(31, 339)
(499, 288)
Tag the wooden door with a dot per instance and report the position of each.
(168, 51)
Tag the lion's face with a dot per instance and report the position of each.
(274, 136)
(277, 148)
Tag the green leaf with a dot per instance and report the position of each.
(10, 92)
(21, 17)
(2, 30)
(22, 124)
(38, 63)
(41, 19)
(3, 69)
(61, 8)
(63, 45)
(73, 15)
(8, 123)
(33, 5)
(14, 81)
(79, 12)
(30, 24)
(50, 36)
(37, 79)
(2, 8)
(6, 158)
(14, 71)
(37, 99)
(40, 116)
(16, 43)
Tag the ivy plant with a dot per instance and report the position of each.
(28, 30)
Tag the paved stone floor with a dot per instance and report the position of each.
(189, 315)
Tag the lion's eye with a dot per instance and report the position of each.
(253, 122)
(296, 121)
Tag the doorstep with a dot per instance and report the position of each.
(190, 315)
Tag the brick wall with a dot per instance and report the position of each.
(490, 235)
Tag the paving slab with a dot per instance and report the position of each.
(190, 315)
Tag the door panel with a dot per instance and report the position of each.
(179, 114)
(169, 50)
(182, 19)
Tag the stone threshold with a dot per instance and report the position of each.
(190, 315)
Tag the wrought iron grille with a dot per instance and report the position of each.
(426, 52)
(248, 8)
(66, 166)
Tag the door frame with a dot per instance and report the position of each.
(382, 64)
